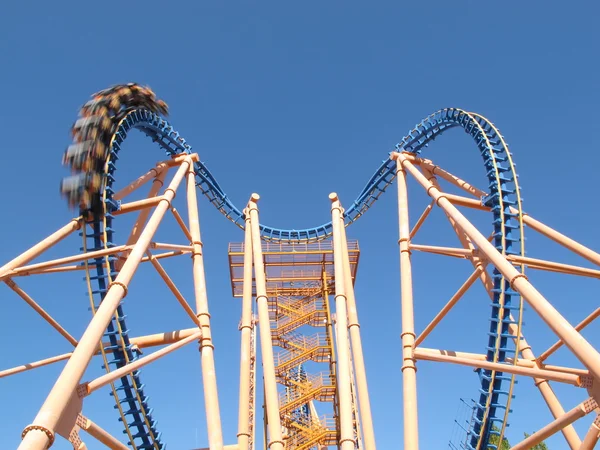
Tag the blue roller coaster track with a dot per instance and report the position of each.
(495, 392)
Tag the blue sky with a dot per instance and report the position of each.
(294, 101)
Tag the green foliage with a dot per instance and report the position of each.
(541, 446)
(494, 439)
(506, 445)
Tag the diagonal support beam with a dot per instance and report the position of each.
(41, 247)
(110, 377)
(163, 274)
(453, 301)
(100, 434)
(533, 263)
(591, 438)
(421, 220)
(151, 340)
(451, 357)
(47, 317)
(442, 173)
(561, 422)
(182, 224)
(580, 326)
(152, 173)
(82, 267)
(532, 223)
(142, 217)
(33, 268)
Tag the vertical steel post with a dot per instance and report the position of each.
(209, 377)
(357, 350)
(264, 325)
(246, 330)
(345, 396)
(409, 369)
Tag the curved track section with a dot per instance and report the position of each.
(496, 392)
(92, 157)
(495, 397)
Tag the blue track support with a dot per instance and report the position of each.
(129, 388)
(502, 194)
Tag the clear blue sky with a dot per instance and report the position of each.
(294, 101)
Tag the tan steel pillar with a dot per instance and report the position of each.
(345, 395)
(209, 377)
(266, 344)
(244, 436)
(40, 433)
(409, 369)
(357, 351)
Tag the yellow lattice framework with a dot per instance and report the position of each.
(300, 279)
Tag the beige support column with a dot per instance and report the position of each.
(345, 395)
(243, 435)
(357, 351)
(40, 434)
(409, 369)
(266, 344)
(209, 377)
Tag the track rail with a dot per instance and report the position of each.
(128, 391)
(494, 401)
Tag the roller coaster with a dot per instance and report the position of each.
(293, 282)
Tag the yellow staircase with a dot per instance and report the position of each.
(290, 315)
(319, 433)
(299, 280)
(314, 348)
(316, 387)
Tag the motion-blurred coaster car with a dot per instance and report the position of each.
(78, 189)
(91, 136)
(85, 156)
